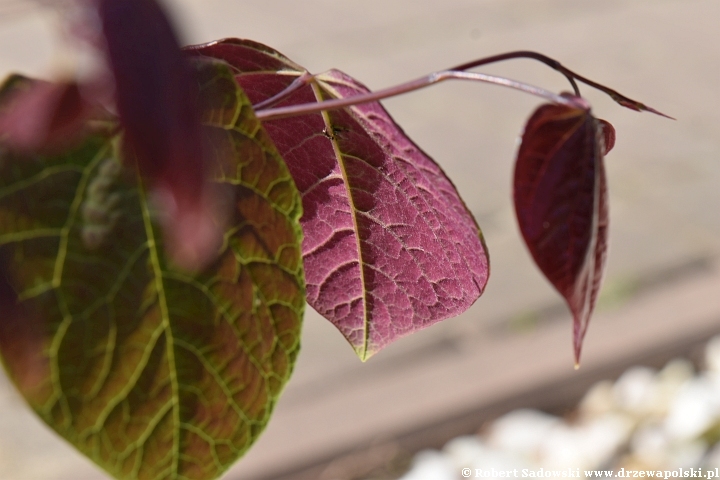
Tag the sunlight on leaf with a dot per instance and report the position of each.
(390, 248)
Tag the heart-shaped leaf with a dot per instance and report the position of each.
(152, 372)
(561, 204)
(389, 247)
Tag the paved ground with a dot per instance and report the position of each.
(664, 181)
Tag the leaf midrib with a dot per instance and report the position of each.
(353, 214)
(165, 324)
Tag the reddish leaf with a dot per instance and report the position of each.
(156, 97)
(561, 204)
(43, 116)
(608, 132)
(389, 246)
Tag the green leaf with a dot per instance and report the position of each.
(152, 372)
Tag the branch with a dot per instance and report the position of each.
(569, 74)
(417, 84)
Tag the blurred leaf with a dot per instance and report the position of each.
(151, 372)
(389, 248)
(561, 205)
(155, 96)
(39, 116)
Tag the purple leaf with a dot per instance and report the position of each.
(43, 116)
(156, 98)
(561, 204)
(390, 248)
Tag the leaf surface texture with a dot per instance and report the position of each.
(152, 372)
(390, 247)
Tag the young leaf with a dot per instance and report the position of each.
(560, 195)
(389, 247)
(150, 371)
(155, 95)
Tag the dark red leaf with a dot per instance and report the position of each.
(156, 97)
(608, 132)
(389, 247)
(560, 198)
(43, 116)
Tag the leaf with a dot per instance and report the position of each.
(151, 372)
(608, 133)
(560, 194)
(155, 95)
(44, 117)
(389, 248)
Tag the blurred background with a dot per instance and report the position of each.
(341, 419)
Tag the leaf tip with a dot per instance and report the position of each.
(577, 351)
(638, 106)
(579, 330)
(364, 352)
(657, 112)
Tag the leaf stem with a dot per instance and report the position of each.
(417, 84)
(552, 63)
(569, 74)
(303, 79)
